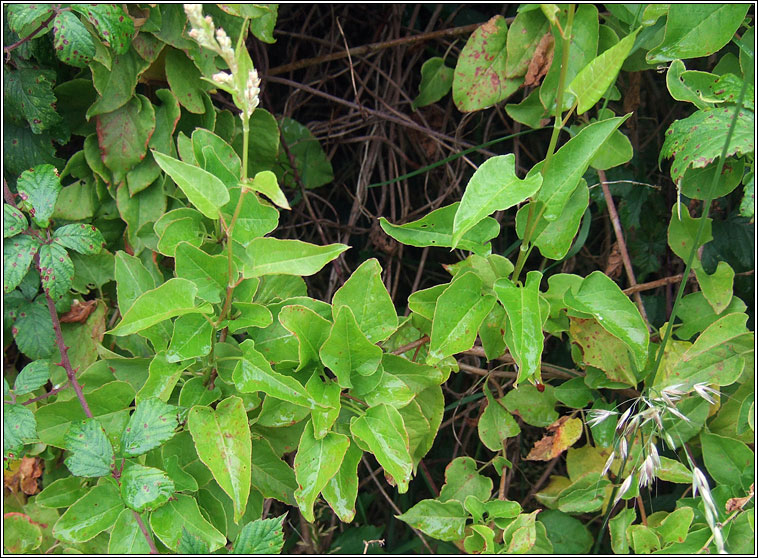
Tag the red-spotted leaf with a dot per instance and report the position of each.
(19, 428)
(33, 330)
(18, 253)
(90, 451)
(145, 488)
(38, 189)
(25, 18)
(72, 42)
(262, 536)
(28, 94)
(14, 222)
(56, 270)
(85, 239)
(152, 423)
(113, 25)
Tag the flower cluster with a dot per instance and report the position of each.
(204, 32)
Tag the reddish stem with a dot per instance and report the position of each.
(148, 538)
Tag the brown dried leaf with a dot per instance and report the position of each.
(733, 504)
(562, 434)
(541, 60)
(29, 472)
(615, 262)
(79, 312)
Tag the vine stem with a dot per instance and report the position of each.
(145, 532)
(532, 219)
(7, 50)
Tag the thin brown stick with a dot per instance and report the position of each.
(621, 242)
(374, 47)
(412, 345)
(146, 533)
(541, 480)
(7, 50)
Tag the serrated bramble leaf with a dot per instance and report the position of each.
(222, 441)
(28, 92)
(18, 253)
(92, 514)
(56, 270)
(90, 451)
(262, 536)
(190, 544)
(14, 222)
(85, 239)
(19, 428)
(113, 25)
(145, 488)
(38, 189)
(152, 423)
(72, 42)
(33, 330)
(32, 376)
(25, 18)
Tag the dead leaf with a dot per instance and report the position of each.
(541, 60)
(79, 311)
(562, 434)
(733, 504)
(615, 262)
(23, 475)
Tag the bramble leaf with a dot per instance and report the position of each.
(262, 536)
(113, 25)
(38, 189)
(152, 423)
(72, 42)
(91, 453)
(18, 253)
(145, 488)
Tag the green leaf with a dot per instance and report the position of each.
(717, 356)
(33, 330)
(382, 430)
(152, 423)
(699, 31)
(25, 18)
(728, 461)
(28, 93)
(603, 350)
(445, 521)
(462, 480)
(115, 83)
(570, 162)
(342, 489)
(696, 182)
(114, 26)
(595, 78)
(271, 476)
(310, 162)
(254, 219)
(192, 338)
(168, 521)
(675, 525)
(289, 257)
(265, 182)
(251, 314)
(224, 154)
(599, 296)
(14, 222)
(61, 493)
(696, 141)
(436, 81)
(524, 34)
(480, 73)
(126, 536)
(573, 393)
(567, 534)
(173, 298)
(85, 239)
(618, 527)
(643, 539)
(311, 331)
(365, 294)
(145, 488)
(90, 515)
(316, 462)
(554, 238)
(56, 270)
(18, 253)
(460, 310)
(206, 192)
(327, 394)
(436, 229)
(123, 135)
(533, 406)
(717, 287)
(254, 373)
(184, 80)
(262, 536)
(496, 425)
(493, 187)
(19, 428)
(38, 189)
(222, 440)
(91, 453)
(523, 334)
(72, 42)
(584, 495)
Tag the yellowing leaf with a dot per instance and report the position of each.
(562, 434)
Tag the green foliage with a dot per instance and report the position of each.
(206, 381)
